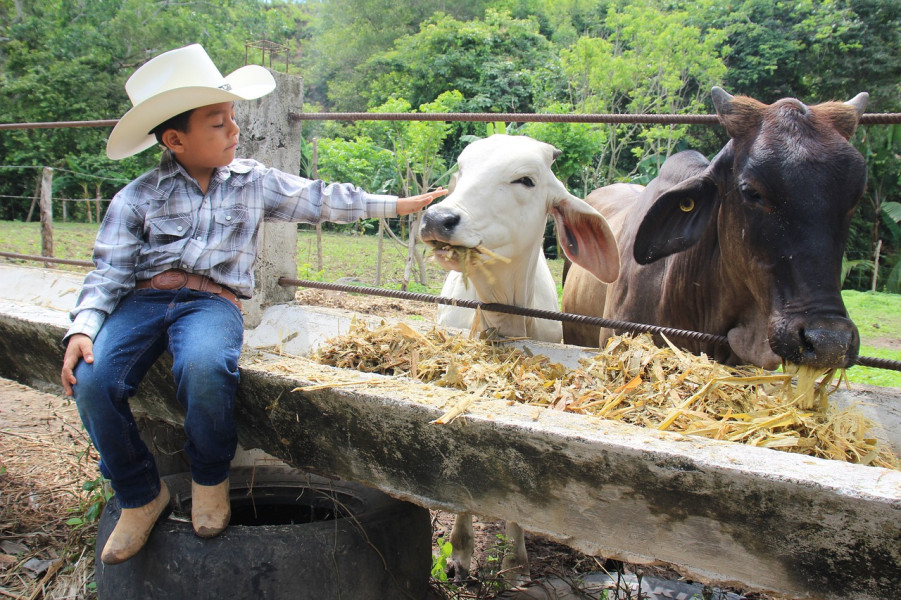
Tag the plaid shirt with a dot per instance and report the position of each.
(161, 221)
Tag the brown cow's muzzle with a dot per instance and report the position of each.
(822, 342)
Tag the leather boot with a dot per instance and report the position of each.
(133, 528)
(210, 508)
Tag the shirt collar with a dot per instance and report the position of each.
(169, 167)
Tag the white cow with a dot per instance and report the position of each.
(501, 199)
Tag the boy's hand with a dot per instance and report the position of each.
(80, 346)
(405, 206)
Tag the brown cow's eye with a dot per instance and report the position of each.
(751, 195)
(526, 181)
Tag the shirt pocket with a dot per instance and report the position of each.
(231, 216)
(169, 229)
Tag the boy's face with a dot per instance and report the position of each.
(211, 138)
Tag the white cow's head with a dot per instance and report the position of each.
(500, 201)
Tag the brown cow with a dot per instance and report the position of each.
(748, 246)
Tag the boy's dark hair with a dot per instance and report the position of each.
(178, 123)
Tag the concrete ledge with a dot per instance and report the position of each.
(731, 514)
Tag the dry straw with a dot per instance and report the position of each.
(633, 381)
(469, 259)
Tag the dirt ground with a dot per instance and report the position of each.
(45, 460)
(48, 475)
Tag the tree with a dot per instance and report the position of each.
(346, 33)
(68, 60)
(359, 160)
(648, 61)
(579, 144)
(419, 166)
(401, 157)
(881, 147)
(498, 64)
(817, 50)
(814, 50)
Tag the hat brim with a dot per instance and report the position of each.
(131, 134)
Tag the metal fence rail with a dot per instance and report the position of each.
(680, 119)
(667, 119)
(865, 361)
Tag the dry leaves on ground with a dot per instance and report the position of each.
(45, 460)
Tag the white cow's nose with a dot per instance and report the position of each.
(439, 223)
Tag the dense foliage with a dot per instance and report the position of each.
(67, 60)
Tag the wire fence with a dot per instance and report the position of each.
(611, 118)
(670, 332)
(588, 118)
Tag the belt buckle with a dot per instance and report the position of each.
(170, 280)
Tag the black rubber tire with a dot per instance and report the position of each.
(340, 540)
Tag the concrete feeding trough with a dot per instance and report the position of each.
(755, 518)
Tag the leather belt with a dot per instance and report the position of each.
(175, 279)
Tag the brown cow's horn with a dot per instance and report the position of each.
(859, 102)
(721, 98)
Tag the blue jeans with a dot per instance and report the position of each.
(203, 332)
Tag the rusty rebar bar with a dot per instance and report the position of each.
(864, 361)
(666, 119)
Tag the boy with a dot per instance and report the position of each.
(173, 257)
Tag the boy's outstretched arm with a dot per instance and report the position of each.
(405, 206)
(80, 346)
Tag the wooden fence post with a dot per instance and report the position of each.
(318, 225)
(47, 213)
(96, 204)
(34, 198)
(876, 265)
(269, 135)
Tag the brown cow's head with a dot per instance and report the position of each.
(782, 191)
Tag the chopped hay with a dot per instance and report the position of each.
(473, 258)
(631, 380)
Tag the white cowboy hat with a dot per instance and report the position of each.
(172, 83)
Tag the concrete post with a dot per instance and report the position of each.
(270, 136)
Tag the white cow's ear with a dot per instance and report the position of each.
(452, 182)
(586, 238)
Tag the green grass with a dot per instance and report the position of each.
(878, 318)
(353, 255)
(70, 240)
(877, 315)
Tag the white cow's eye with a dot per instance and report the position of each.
(526, 181)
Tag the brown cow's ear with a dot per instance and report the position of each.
(740, 116)
(586, 238)
(844, 116)
(677, 219)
